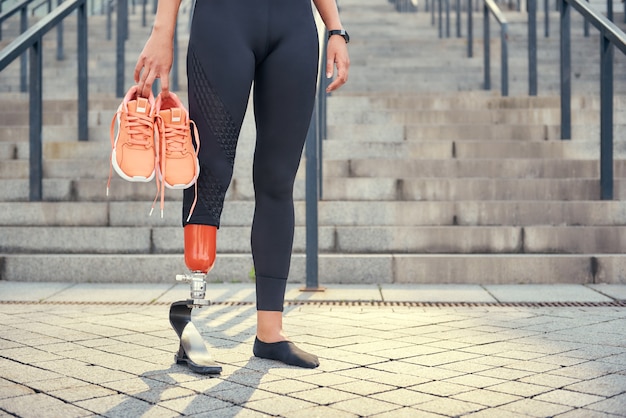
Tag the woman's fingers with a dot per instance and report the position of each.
(337, 56)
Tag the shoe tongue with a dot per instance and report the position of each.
(173, 116)
(141, 105)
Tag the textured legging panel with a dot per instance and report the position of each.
(273, 45)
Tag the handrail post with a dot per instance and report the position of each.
(458, 18)
(322, 99)
(470, 30)
(312, 196)
(109, 10)
(83, 88)
(143, 13)
(440, 17)
(432, 13)
(586, 25)
(122, 10)
(566, 70)
(486, 41)
(504, 59)
(447, 18)
(35, 123)
(60, 54)
(23, 58)
(606, 119)
(174, 85)
(532, 47)
(546, 19)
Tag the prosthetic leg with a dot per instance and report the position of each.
(199, 258)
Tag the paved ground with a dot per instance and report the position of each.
(396, 351)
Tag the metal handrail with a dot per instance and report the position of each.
(31, 40)
(314, 177)
(490, 7)
(611, 36)
(22, 9)
(43, 3)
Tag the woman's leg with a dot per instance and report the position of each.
(284, 95)
(220, 70)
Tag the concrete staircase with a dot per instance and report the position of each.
(427, 178)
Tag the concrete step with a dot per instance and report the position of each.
(335, 269)
(330, 213)
(468, 149)
(466, 116)
(332, 239)
(467, 100)
(498, 168)
(501, 168)
(351, 189)
(462, 189)
(15, 113)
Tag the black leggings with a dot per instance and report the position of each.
(232, 44)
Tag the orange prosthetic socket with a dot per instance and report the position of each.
(200, 243)
(199, 258)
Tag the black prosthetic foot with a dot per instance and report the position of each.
(192, 350)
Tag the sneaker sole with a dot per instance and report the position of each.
(181, 186)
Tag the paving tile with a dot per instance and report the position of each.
(314, 412)
(81, 393)
(449, 407)
(23, 373)
(195, 404)
(569, 398)
(110, 292)
(545, 293)
(441, 388)
(407, 413)
(534, 408)
(520, 389)
(230, 412)
(241, 395)
(404, 397)
(277, 406)
(475, 381)
(486, 397)
(324, 379)
(13, 390)
(505, 373)
(551, 380)
(285, 386)
(532, 366)
(440, 359)
(324, 395)
(584, 371)
(365, 406)
(435, 293)
(30, 291)
(336, 292)
(587, 413)
(615, 291)
(41, 405)
(606, 386)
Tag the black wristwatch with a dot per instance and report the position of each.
(340, 32)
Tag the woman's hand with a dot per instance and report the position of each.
(155, 61)
(337, 56)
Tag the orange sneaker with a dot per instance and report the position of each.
(178, 158)
(133, 154)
